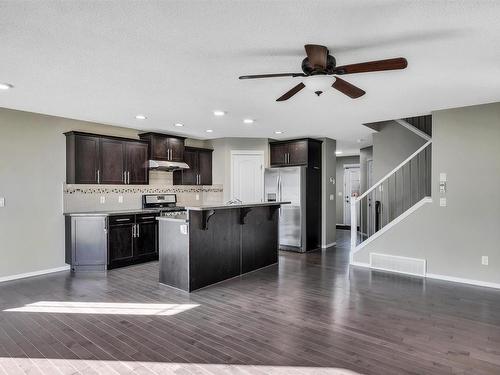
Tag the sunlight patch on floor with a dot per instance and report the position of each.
(117, 308)
(81, 366)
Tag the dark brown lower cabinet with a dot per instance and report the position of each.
(146, 239)
(132, 239)
(120, 245)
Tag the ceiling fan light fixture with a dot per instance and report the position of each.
(318, 83)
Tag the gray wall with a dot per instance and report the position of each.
(32, 173)
(453, 238)
(222, 157)
(391, 145)
(341, 161)
(328, 214)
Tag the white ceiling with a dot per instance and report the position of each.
(176, 61)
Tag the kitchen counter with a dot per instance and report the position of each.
(222, 206)
(111, 213)
(212, 243)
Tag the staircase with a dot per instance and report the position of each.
(399, 193)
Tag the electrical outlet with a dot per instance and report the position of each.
(331, 197)
(484, 260)
(120, 199)
(2, 202)
(102, 200)
(442, 202)
(197, 197)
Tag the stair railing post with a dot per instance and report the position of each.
(354, 224)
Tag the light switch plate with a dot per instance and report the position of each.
(197, 197)
(484, 260)
(442, 177)
(331, 197)
(442, 202)
(2, 202)
(102, 200)
(120, 199)
(183, 228)
(340, 193)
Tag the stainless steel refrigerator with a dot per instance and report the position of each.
(289, 184)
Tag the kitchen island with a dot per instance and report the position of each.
(213, 243)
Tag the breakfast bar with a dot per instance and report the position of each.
(212, 243)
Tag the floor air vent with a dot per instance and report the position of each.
(393, 263)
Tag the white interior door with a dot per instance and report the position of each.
(351, 189)
(247, 176)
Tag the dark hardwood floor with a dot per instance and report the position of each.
(312, 314)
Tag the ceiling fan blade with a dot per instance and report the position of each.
(317, 55)
(346, 88)
(273, 75)
(291, 92)
(372, 66)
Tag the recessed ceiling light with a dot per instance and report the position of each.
(278, 132)
(248, 121)
(338, 152)
(5, 86)
(219, 113)
(178, 124)
(141, 117)
(209, 131)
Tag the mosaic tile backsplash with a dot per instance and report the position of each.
(84, 198)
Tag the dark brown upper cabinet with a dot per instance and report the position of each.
(164, 147)
(296, 152)
(136, 163)
(82, 159)
(200, 167)
(96, 159)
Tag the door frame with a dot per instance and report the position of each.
(247, 152)
(347, 166)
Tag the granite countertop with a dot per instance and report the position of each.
(223, 206)
(111, 213)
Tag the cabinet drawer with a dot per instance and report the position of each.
(121, 219)
(146, 217)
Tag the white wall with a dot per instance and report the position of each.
(453, 238)
(222, 157)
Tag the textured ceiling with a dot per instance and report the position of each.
(176, 61)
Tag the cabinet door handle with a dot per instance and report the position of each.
(168, 154)
(288, 158)
(98, 176)
(128, 177)
(122, 219)
(124, 177)
(138, 230)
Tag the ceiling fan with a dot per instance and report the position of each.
(320, 63)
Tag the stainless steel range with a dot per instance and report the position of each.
(166, 204)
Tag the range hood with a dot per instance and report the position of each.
(169, 166)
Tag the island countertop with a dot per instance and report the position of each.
(222, 206)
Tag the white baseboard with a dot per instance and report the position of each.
(34, 273)
(360, 264)
(439, 277)
(463, 281)
(328, 245)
